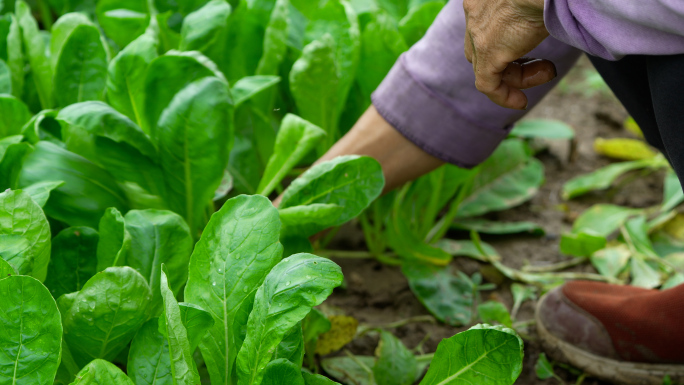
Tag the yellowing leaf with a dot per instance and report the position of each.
(342, 332)
(623, 148)
(675, 227)
(631, 126)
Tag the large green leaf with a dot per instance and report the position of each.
(30, 332)
(238, 248)
(249, 86)
(61, 32)
(24, 234)
(6, 269)
(40, 192)
(314, 83)
(201, 28)
(194, 137)
(157, 237)
(381, 45)
(102, 318)
(112, 141)
(166, 76)
(73, 261)
(415, 24)
(101, 372)
(352, 182)
(87, 191)
(126, 80)
(305, 221)
(291, 347)
(287, 295)
(508, 178)
(275, 39)
(482, 353)
(282, 372)
(296, 138)
(114, 239)
(123, 20)
(81, 71)
(396, 365)
(449, 297)
(149, 359)
(12, 161)
(13, 115)
(36, 53)
(183, 367)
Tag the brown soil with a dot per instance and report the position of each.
(378, 294)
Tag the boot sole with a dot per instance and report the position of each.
(618, 372)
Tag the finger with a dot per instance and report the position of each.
(489, 81)
(528, 73)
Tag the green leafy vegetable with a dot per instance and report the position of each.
(73, 261)
(396, 365)
(31, 332)
(101, 372)
(494, 311)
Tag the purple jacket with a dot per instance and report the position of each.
(430, 97)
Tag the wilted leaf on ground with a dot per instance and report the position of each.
(582, 244)
(348, 371)
(543, 128)
(508, 178)
(543, 368)
(643, 274)
(463, 358)
(623, 149)
(611, 261)
(342, 331)
(632, 126)
(396, 365)
(672, 192)
(447, 296)
(495, 227)
(603, 219)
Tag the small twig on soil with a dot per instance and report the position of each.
(416, 319)
(555, 267)
(580, 379)
(419, 347)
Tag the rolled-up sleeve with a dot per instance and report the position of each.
(429, 96)
(611, 29)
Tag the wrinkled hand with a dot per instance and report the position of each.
(499, 33)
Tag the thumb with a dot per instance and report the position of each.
(527, 73)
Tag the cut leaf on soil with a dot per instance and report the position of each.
(494, 227)
(543, 128)
(623, 149)
(342, 331)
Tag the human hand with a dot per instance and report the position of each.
(499, 33)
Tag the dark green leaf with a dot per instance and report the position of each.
(73, 260)
(317, 379)
(197, 321)
(296, 138)
(61, 32)
(291, 347)
(40, 192)
(287, 295)
(13, 115)
(101, 372)
(12, 163)
(15, 57)
(275, 39)
(465, 357)
(30, 332)
(5, 78)
(149, 362)
(447, 296)
(282, 372)
(24, 234)
(395, 365)
(35, 51)
(87, 191)
(102, 318)
(238, 248)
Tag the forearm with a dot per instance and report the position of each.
(373, 136)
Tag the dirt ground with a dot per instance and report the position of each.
(378, 294)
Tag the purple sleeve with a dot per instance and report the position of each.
(611, 29)
(429, 96)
